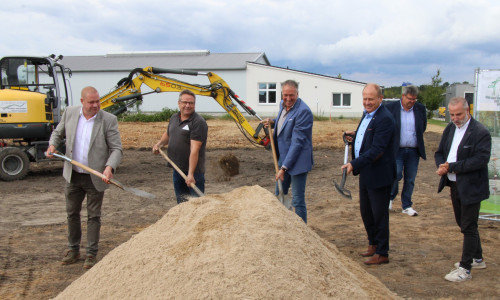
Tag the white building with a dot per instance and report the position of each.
(250, 76)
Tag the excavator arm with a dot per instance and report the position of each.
(128, 91)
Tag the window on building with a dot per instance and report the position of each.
(469, 97)
(341, 99)
(267, 92)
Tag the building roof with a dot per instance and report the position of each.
(308, 73)
(195, 60)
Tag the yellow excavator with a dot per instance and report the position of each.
(32, 90)
(128, 92)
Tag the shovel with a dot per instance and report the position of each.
(132, 190)
(340, 188)
(281, 197)
(193, 186)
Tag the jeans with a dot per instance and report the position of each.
(81, 185)
(466, 217)
(407, 161)
(182, 191)
(298, 183)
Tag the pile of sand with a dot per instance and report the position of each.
(240, 245)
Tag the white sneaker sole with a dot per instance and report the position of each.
(474, 266)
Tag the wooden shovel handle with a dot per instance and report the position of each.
(273, 148)
(193, 186)
(88, 169)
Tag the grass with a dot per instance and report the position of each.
(441, 123)
(492, 205)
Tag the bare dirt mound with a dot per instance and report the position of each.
(241, 244)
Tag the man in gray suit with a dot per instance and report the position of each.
(92, 138)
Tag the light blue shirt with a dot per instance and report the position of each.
(408, 135)
(361, 131)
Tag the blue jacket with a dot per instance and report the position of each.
(471, 167)
(376, 164)
(294, 141)
(420, 124)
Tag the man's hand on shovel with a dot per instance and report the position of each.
(347, 166)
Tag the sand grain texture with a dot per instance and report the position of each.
(239, 245)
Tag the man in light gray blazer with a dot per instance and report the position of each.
(92, 138)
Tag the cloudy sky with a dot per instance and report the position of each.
(384, 41)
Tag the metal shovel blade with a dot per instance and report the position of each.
(286, 201)
(340, 187)
(281, 196)
(132, 190)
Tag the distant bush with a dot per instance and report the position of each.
(226, 117)
(162, 116)
(207, 117)
(320, 118)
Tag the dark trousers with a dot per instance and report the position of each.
(373, 205)
(466, 217)
(80, 186)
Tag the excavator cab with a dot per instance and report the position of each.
(32, 90)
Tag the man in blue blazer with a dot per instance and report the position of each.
(375, 162)
(293, 136)
(411, 123)
(462, 160)
(92, 138)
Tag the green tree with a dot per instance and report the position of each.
(392, 92)
(432, 95)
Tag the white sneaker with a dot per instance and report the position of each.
(475, 264)
(390, 204)
(410, 211)
(458, 275)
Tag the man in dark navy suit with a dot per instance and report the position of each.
(462, 160)
(411, 123)
(375, 162)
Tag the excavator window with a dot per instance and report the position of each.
(26, 74)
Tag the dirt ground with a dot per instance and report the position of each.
(423, 248)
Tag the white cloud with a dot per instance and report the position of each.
(390, 41)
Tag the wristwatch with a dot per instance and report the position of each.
(284, 168)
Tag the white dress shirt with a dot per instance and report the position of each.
(82, 141)
(457, 139)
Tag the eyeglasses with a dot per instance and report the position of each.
(411, 99)
(186, 102)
